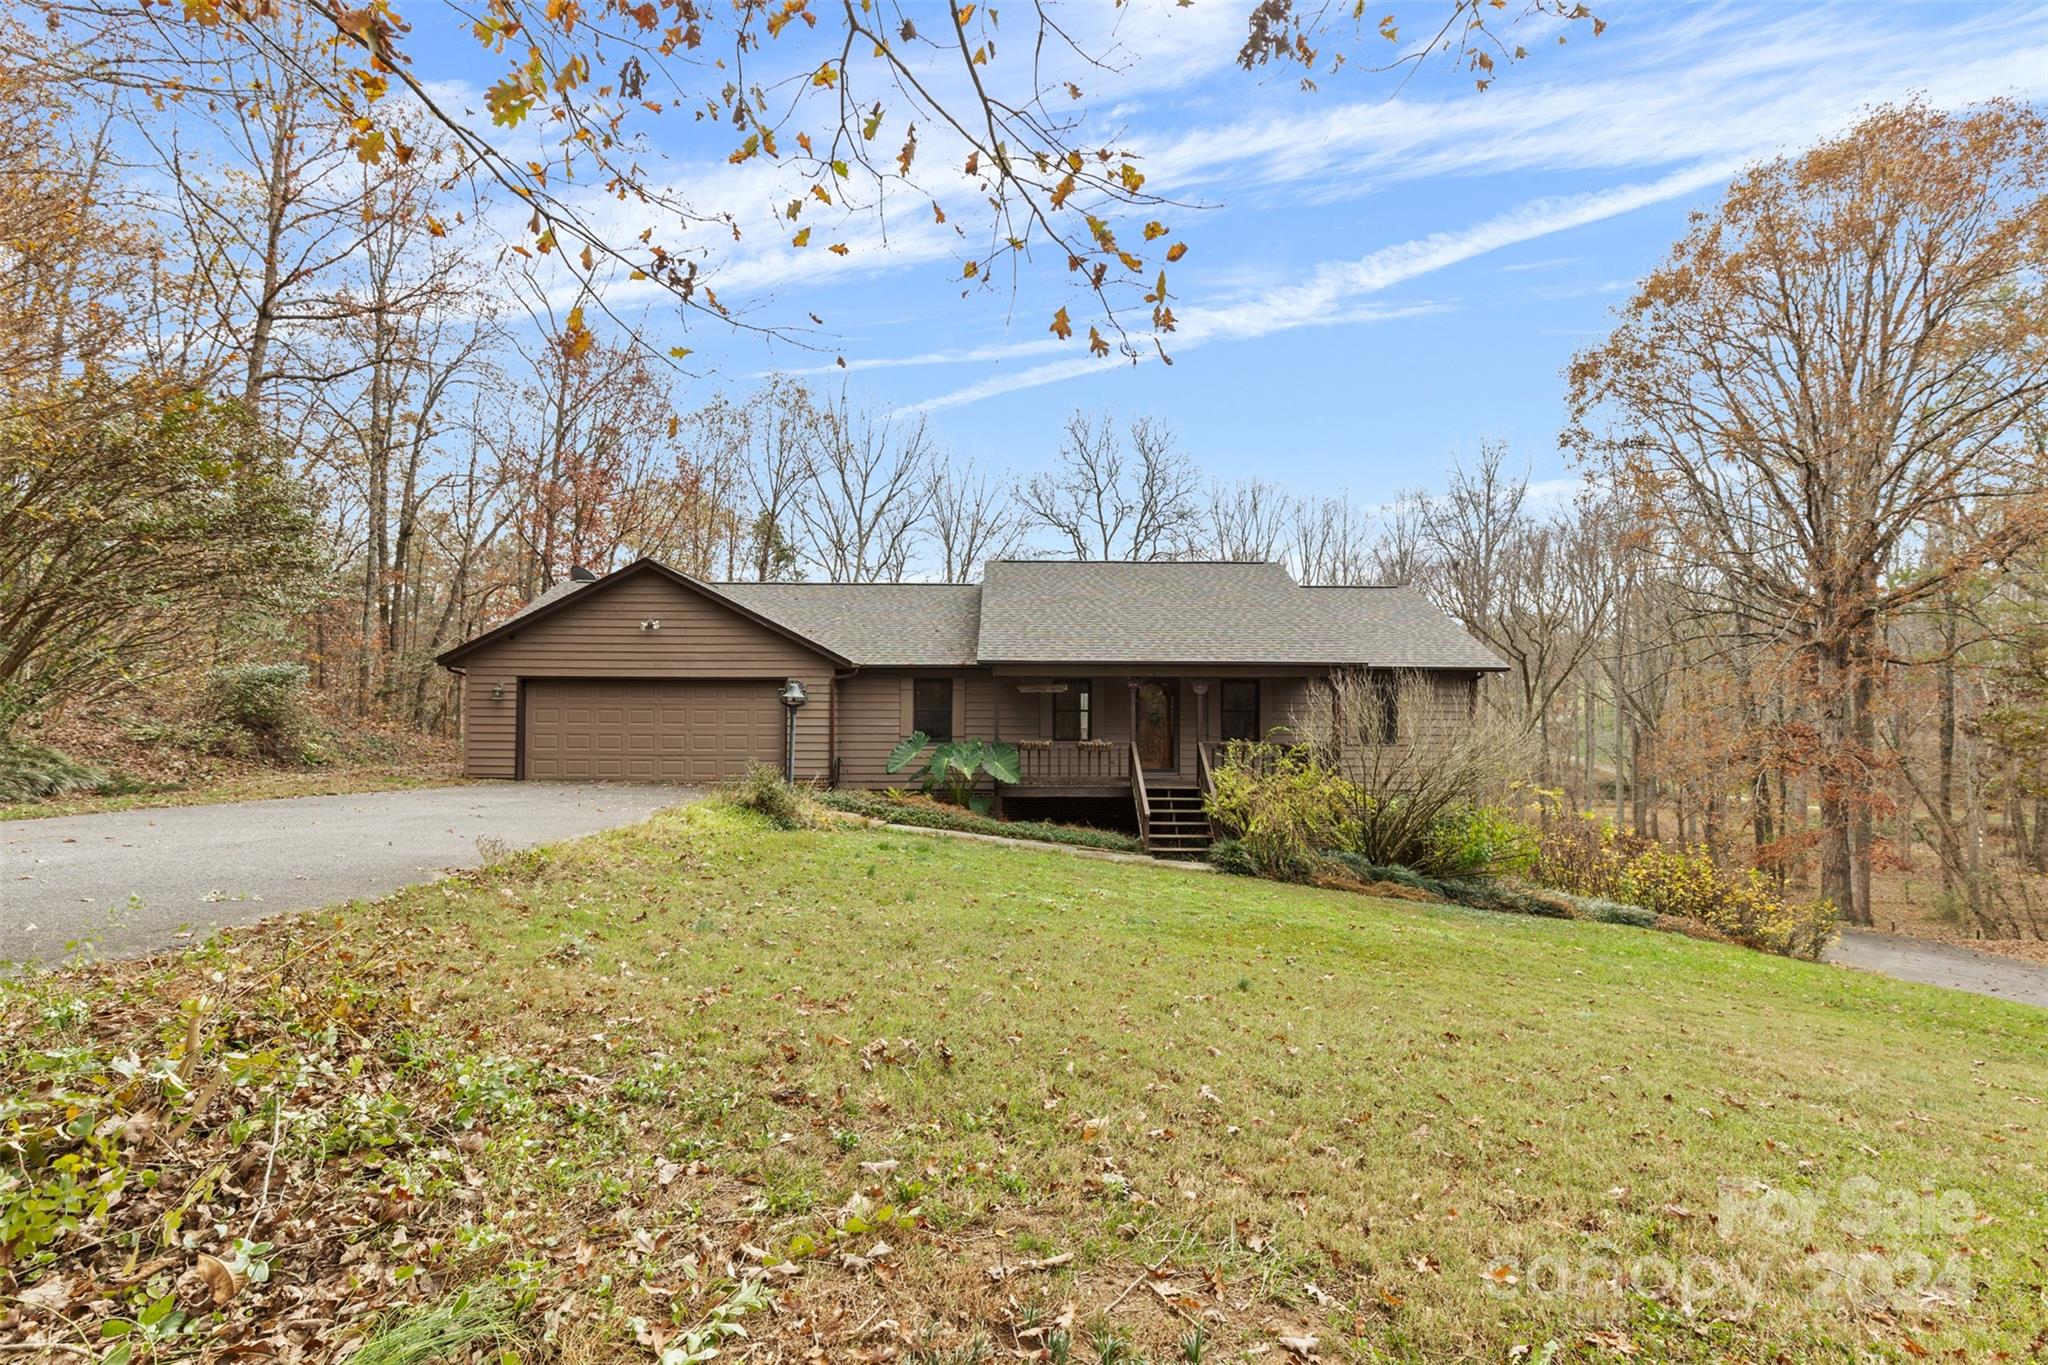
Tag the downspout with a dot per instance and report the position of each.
(832, 725)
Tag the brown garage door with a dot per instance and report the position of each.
(650, 731)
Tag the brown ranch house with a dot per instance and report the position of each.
(1117, 681)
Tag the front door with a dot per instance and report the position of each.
(1156, 731)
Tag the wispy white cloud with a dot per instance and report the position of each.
(1744, 86)
(1701, 89)
(1328, 294)
(956, 355)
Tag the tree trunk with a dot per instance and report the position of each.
(1638, 783)
(1614, 760)
(1869, 650)
(276, 196)
(1760, 813)
(1592, 748)
(1837, 736)
(1945, 679)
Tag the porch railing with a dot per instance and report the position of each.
(1141, 800)
(1072, 763)
(1205, 778)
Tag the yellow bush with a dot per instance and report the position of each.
(1283, 805)
(1592, 858)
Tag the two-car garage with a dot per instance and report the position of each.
(649, 730)
(645, 675)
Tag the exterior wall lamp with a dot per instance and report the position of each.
(497, 691)
(792, 697)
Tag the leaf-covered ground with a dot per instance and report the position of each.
(250, 785)
(864, 1095)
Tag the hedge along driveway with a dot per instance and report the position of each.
(127, 883)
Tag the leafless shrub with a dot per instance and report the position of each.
(1405, 772)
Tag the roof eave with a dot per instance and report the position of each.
(512, 625)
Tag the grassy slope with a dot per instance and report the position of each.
(1313, 1113)
(1404, 1097)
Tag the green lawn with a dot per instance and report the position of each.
(1257, 1113)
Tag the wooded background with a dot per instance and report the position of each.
(271, 398)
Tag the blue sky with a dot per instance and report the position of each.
(1381, 276)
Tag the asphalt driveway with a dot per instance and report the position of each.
(130, 882)
(1941, 964)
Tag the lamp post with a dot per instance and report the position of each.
(793, 696)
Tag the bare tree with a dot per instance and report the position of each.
(1109, 497)
(766, 444)
(1397, 554)
(275, 209)
(973, 519)
(1516, 581)
(1248, 520)
(864, 501)
(1327, 542)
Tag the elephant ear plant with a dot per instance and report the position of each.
(956, 766)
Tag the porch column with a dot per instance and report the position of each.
(1132, 685)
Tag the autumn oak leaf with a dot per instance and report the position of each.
(576, 338)
(1061, 326)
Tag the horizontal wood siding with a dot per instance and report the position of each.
(872, 707)
(1022, 715)
(1280, 703)
(602, 638)
(1435, 707)
(875, 712)
(490, 725)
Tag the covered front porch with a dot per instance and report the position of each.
(1149, 737)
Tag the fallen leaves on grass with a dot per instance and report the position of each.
(999, 1273)
(301, 1154)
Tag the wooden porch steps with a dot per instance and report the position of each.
(1178, 827)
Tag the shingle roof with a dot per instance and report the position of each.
(1182, 612)
(904, 625)
(551, 596)
(1394, 627)
(1066, 611)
